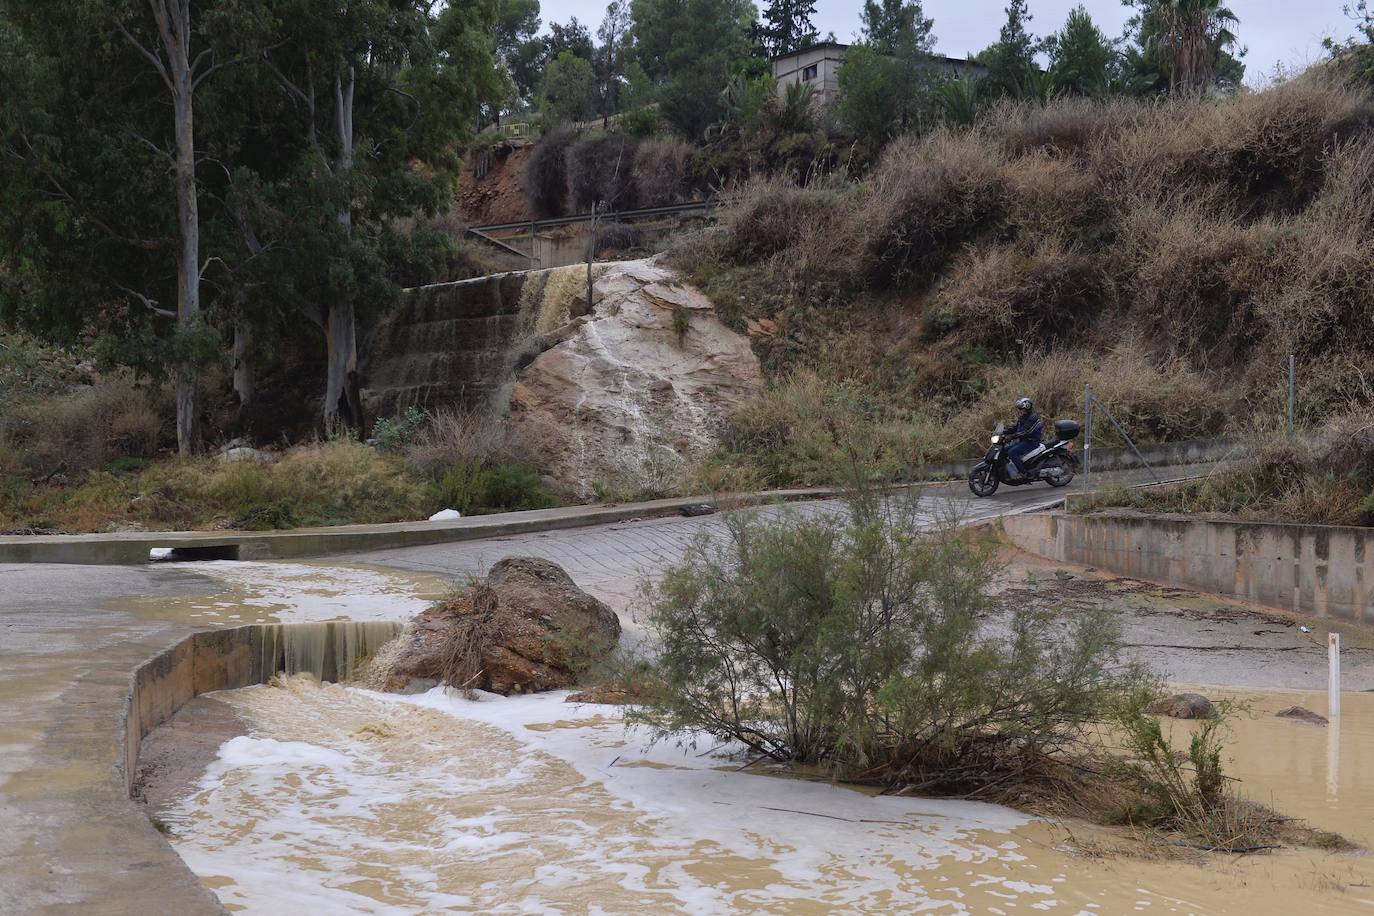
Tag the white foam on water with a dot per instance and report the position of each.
(299, 593)
(529, 804)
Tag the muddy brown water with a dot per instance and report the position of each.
(366, 803)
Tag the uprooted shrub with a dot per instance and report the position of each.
(852, 640)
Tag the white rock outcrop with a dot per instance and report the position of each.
(635, 388)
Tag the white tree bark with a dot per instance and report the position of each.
(341, 332)
(172, 60)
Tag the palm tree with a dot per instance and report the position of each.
(1187, 37)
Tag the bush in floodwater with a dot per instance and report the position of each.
(854, 640)
(1187, 793)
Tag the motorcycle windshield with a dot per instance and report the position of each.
(999, 430)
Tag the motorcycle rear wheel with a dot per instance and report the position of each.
(1063, 478)
(983, 482)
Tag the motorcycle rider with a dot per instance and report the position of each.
(1024, 435)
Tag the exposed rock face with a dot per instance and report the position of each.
(526, 627)
(625, 394)
(1184, 706)
(1302, 714)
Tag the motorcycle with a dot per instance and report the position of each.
(1054, 463)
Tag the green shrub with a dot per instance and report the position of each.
(641, 122)
(127, 465)
(852, 640)
(395, 433)
(472, 488)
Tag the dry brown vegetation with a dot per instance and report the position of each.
(1324, 478)
(1171, 253)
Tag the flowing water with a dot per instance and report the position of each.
(343, 800)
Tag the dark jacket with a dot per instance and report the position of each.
(1029, 427)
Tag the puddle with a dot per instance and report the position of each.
(351, 801)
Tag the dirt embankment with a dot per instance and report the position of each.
(490, 190)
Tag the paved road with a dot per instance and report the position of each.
(70, 635)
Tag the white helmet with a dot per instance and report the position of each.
(1023, 404)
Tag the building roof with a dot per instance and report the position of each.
(820, 45)
(840, 46)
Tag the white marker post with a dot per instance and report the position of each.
(1333, 678)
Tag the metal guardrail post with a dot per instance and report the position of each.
(1087, 433)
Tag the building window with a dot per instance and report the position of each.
(809, 73)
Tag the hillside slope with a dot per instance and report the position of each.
(1172, 254)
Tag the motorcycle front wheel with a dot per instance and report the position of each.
(983, 482)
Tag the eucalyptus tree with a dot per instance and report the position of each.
(93, 145)
(381, 92)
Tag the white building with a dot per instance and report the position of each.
(819, 65)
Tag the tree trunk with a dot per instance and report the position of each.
(176, 38)
(173, 18)
(243, 366)
(341, 333)
(188, 265)
(342, 345)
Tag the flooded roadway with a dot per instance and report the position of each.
(361, 802)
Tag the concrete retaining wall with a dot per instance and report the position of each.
(213, 660)
(1317, 570)
(1189, 451)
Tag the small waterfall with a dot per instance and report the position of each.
(546, 300)
(329, 651)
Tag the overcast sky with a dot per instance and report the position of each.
(1289, 32)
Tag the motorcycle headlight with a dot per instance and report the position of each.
(996, 439)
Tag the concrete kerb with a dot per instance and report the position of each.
(133, 548)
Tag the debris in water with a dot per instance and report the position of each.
(1302, 714)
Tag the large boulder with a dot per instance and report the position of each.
(526, 627)
(623, 395)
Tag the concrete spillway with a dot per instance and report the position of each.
(452, 343)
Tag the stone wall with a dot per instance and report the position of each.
(1317, 570)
